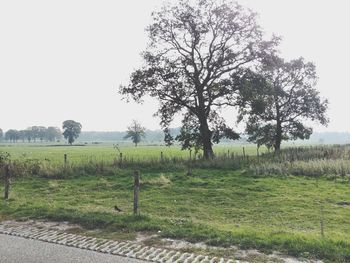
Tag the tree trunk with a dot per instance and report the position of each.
(206, 139)
(278, 137)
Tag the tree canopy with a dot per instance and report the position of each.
(71, 130)
(53, 134)
(33, 133)
(196, 56)
(12, 135)
(279, 98)
(135, 132)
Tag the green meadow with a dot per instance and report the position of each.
(218, 205)
(108, 151)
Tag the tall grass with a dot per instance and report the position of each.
(314, 161)
(305, 161)
(326, 152)
(312, 168)
(26, 167)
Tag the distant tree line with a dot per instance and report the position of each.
(32, 134)
(150, 136)
(71, 131)
(157, 136)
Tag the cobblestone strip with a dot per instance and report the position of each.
(126, 249)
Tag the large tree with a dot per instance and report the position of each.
(279, 98)
(196, 54)
(135, 132)
(71, 131)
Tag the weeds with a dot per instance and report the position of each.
(312, 168)
(26, 167)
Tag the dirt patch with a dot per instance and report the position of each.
(344, 204)
(60, 226)
(244, 256)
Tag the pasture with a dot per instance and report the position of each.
(108, 152)
(223, 205)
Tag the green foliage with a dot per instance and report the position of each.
(197, 53)
(53, 134)
(33, 133)
(168, 138)
(71, 131)
(4, 158)
(135, 132)
(190, 135)
(12, 135)
(278, 99)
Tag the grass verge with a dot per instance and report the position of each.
(216, 206)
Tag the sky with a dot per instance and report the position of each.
(65, 59)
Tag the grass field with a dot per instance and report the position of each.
(107, 151)
(217, 206)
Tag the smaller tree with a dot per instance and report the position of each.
(29, 134)
(35, 131)
(42, 133)
(22, 135)
(72, 129)
(279, 99)
(135, 132)
(53, 133)
(1, 134)
(12, 135)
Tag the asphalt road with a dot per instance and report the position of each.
(21, 250)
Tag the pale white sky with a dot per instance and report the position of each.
(65, 59)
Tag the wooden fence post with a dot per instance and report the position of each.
(243, 153)
(7, 182)
(136, 191)
(161, 157)
(65, 159)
